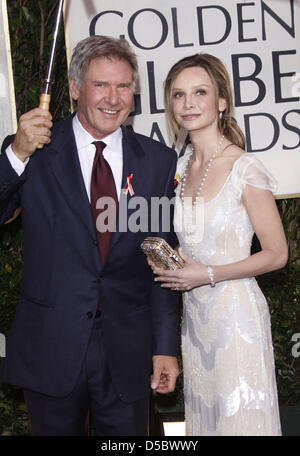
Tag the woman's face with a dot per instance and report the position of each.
(193, 100)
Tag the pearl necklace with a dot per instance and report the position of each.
(183, 180)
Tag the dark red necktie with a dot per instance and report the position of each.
(102, 185)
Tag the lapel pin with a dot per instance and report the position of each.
(176, 180)
(128, 186)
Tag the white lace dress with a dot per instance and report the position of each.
(229, 376)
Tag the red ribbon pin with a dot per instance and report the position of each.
(128, 186)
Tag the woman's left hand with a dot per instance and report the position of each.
(193, 274)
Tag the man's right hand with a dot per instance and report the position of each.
(33, 130)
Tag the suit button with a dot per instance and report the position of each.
(98, 313)
(95, 242)
(89, 314)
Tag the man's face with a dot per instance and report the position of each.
(104, 99)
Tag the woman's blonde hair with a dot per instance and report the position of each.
(221, 81)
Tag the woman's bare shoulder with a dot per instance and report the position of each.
(232, 151)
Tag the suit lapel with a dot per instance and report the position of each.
(65, 165)
(133, 156)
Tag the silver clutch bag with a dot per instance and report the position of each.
(161, 253)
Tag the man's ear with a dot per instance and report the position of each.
(73, 90)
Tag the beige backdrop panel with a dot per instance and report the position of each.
(259, 42)
(7, 97)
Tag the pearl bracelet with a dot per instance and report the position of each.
(211, 276)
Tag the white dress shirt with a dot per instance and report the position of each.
(113, 153)
(17, 164)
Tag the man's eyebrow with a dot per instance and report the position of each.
(122, 83)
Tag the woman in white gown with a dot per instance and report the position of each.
(224, 195)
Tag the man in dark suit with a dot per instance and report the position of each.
(90, 324)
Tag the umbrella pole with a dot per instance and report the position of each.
(46, 93)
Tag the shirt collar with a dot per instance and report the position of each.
(83, 138)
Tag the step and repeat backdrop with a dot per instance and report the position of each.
(259, 41)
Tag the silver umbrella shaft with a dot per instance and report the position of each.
(48, 79)
(46, 92)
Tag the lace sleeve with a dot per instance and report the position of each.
(249, 170)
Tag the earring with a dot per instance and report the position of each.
(221, 115)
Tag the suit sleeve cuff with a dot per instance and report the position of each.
(17, 164)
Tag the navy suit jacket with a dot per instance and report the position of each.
(64, 280)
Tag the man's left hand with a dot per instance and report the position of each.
(165, 373)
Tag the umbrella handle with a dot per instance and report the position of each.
(45, 101)
(44, 104)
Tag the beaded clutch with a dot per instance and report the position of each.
(161, 253)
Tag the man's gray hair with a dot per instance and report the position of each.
(100, 46)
